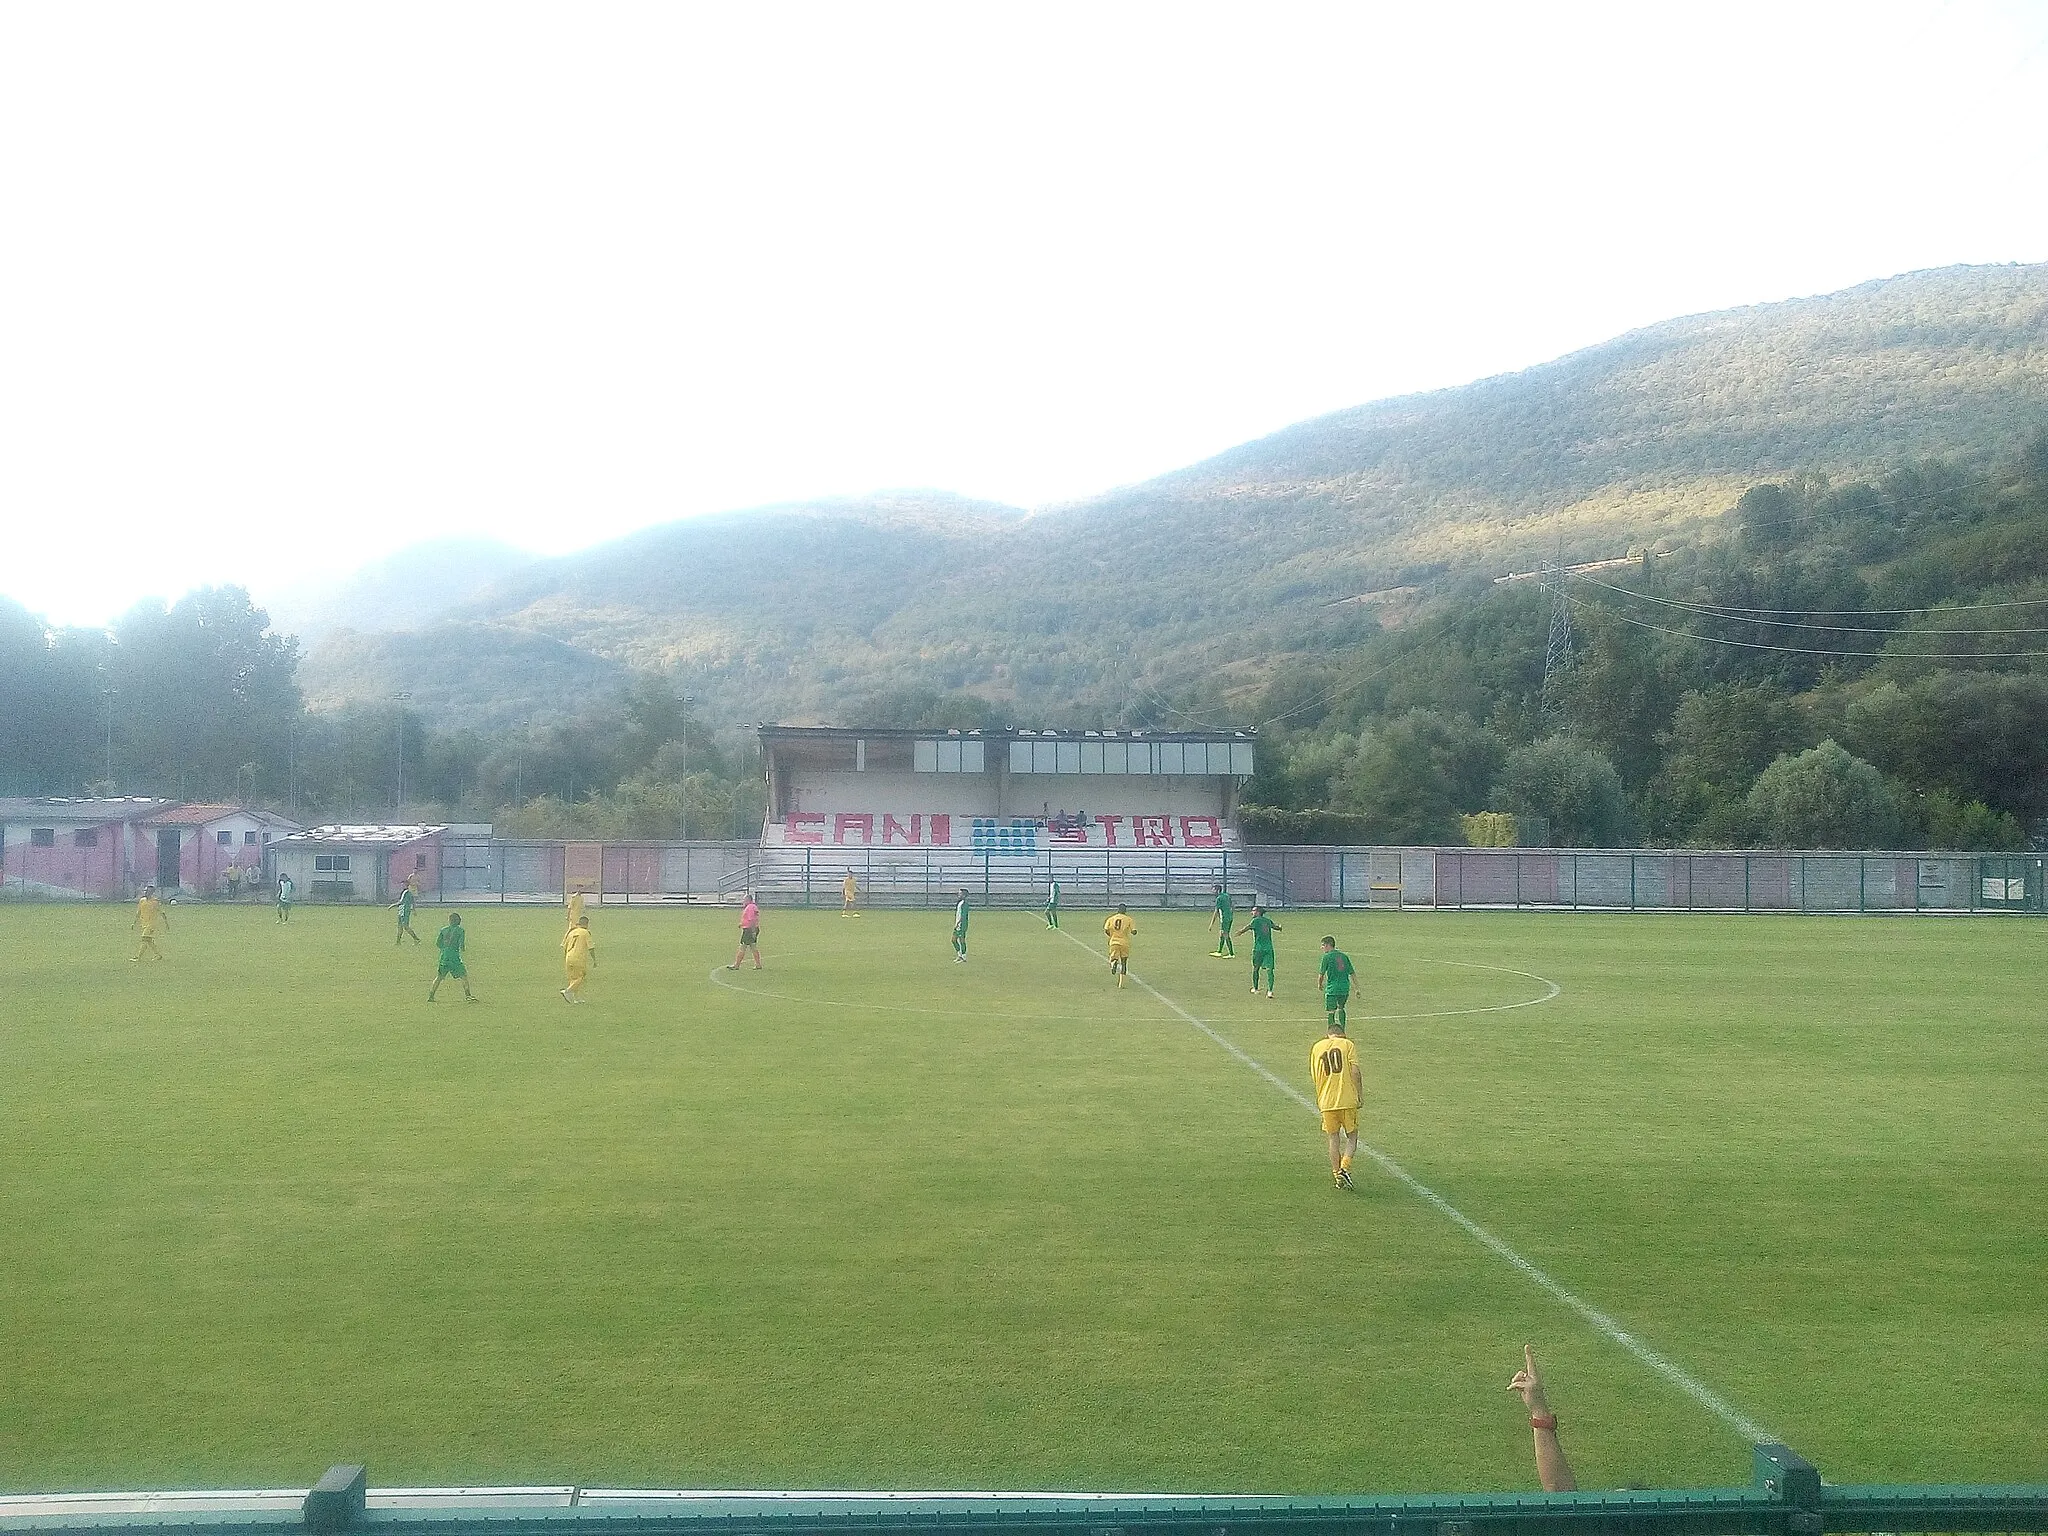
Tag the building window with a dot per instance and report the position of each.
(225, 839)
(419, 861)
(947, 757)
(86, 837)
(330, 863)
(249, 839)
(266, 836)
(42, 837)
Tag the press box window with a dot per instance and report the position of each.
(330, 863)
(86, 837)
(225, 839)
(249, 838)
(42, 837)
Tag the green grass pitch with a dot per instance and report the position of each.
(872, 1219)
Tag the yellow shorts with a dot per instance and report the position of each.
(1119, 951)
(1335, 1120)
(575, 972)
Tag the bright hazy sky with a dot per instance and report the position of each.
(285, 288)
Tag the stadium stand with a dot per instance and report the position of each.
(1144, 816)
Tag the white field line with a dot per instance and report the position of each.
(1599, 1321)
(716, 977)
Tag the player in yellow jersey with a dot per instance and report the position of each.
(849, 895)
(1333, 1068)
(575, 908)
(149, 917)
(1118, 929)
(579, 958)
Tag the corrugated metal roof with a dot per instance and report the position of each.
(199, 815)
(51, 808)
(374, 833)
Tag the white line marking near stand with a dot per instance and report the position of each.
(1599, 1321)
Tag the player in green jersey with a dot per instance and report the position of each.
(960, 930)
(404, 905)
(1261, 928)
(450, 941)
(1335, 973)
(1225, 916)
(1052, 906)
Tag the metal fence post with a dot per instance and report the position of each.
(1631, 882)
(1518, 882)
(1745, 882)
(985, 856)
(807, 877)
(1340, 879)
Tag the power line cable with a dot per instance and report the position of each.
(1449, 622)
(1171, 710)
(1806, 650)
(1758, 615)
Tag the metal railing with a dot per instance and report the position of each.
(1785, 1497)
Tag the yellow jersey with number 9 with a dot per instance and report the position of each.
(1119, 928)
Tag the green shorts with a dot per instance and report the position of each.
(1335, 1000)
(451, 965)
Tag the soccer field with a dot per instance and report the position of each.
(871, 1219)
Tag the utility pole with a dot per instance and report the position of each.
(107, 692)
(1557, 654)
(401, 699)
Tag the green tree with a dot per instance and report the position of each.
(1976, 735)
(1621, 691)
(1411, 776)
(1939, 820)
(1573, 788)
(1720, 738)
(201, 689)
(1823, 798)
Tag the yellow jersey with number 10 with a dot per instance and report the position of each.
(1330, 1063)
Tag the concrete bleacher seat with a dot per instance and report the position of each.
(1006, 871)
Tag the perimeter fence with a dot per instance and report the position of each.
(482, 870)
(1785, 1497)
(1648, 880)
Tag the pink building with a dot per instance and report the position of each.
(196, 845)
(77, 848)
(360, 863)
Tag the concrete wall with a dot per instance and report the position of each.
(65, 869)
(203, 859)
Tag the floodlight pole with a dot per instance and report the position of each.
(400, 699)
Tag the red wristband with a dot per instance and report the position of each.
(1543, 1421)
